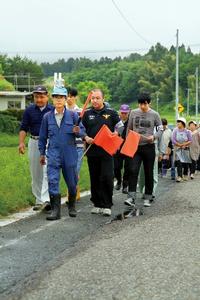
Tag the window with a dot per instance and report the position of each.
(14, 105)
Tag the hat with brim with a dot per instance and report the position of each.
(181, 119)
(40, 89)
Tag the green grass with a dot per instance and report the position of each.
(7, 140)
(15, 184)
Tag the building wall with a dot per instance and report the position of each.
(15, 101)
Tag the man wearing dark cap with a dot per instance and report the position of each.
(31, 122)
(120, 160)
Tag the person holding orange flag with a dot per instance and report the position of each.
(142, 122)
(100, 162)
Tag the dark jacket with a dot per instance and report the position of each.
(93, 120)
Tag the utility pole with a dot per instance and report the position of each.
(177, 74)
(29, 82)
(16, 84)
(157, 100)
(197, 92)
(188, 102)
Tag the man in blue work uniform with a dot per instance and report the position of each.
(31, 122)
(99, 161)
(60, 129)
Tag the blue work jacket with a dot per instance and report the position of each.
(61, 140)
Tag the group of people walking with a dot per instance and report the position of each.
(58, 137)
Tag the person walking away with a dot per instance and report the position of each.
(120, 160)
(100, 163)
(181, 139)
(194, 147)
(31, 122)
(57, 138)
(71, 105)
(143, 120)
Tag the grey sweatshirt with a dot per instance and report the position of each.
(144, 123)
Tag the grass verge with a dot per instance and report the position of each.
(15, 183)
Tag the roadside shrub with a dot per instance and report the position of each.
(8, 123)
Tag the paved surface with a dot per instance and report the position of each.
(154, 256)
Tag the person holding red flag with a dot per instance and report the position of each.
(143, 120)
(100, 162)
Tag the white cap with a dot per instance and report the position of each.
(181, 119)
(194, 122)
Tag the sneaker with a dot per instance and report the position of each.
(152, 199)
(118, 186)
(47, 207)
(96, 210)
(185, 177)
(130, 202)
(191, 176)
(38, 207)
(147, 203)
(106, 211)
(125, 190)
(179, 179)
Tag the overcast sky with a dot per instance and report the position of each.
(85, 25)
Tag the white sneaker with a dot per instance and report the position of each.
(96, 210)
(179, 179)
(192, 176)
(106, 211)
(130, 202)
(147, 203)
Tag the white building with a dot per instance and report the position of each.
(13, 100)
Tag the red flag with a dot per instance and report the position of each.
(108, 140)
(131, 144)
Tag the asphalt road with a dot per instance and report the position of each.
(153, 256)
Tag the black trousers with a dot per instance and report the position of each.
(145, 154)
(101, 171)
(192, 166)
(120, 163)
(182, 168)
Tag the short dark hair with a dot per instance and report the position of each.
(144, 97)
(72, 92)
(164, 121)
(98, 90)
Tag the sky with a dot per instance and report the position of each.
(46, 30)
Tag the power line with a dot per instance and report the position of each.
(76, 52)
(129, 24)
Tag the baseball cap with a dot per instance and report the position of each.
(124, 108)
(40, 89)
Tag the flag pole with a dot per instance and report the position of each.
(86, 151)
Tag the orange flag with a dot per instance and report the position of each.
(131, 144)
(108, 140)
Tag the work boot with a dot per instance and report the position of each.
(55, 201)
(71, 206)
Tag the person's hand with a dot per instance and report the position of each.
(22, 148)
(42, 160)
(76, 129)
(150, 139)
(89, 140)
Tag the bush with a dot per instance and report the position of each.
(8, 124)
(17, 113)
